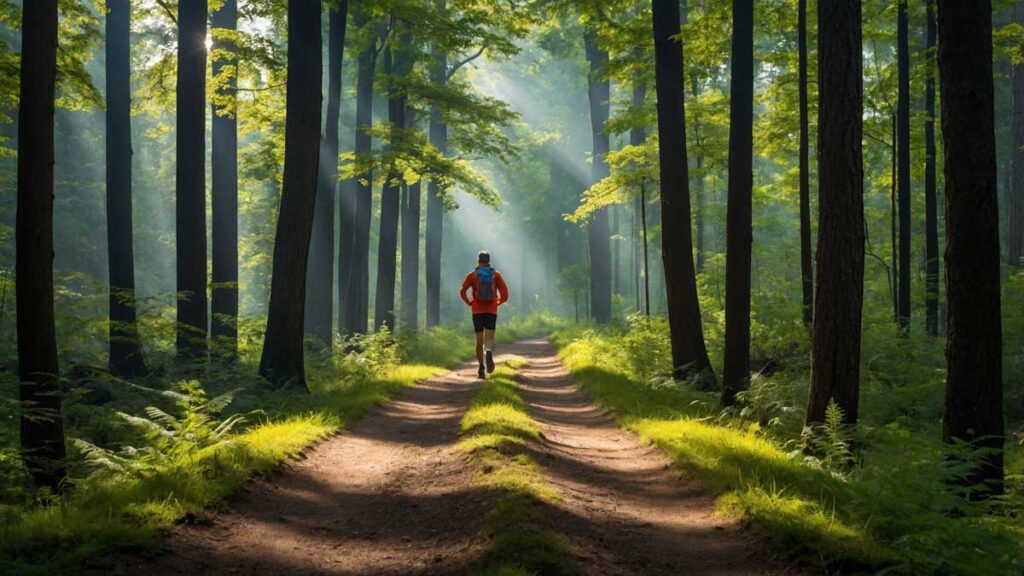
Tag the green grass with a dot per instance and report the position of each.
(890, 513)
(494, 426)
(125, 513)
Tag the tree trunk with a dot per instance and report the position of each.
(806, 261)
(411, 257)
(347, 191)
(739, 230)
(894, 227)
(974, 377)
(689, 354)
(357, 294)
(930, 198)
(903, 160)
(282, 361)
(397, 64)
(835, 343)
(224, 292)
(435, 194)
(637, 137)
(42, 433)
(320, 269)
(1016, 252)
(190, 181)
(599, 241)
(125, 350)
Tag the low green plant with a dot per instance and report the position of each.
(168, 437)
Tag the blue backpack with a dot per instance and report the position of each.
(484, 284)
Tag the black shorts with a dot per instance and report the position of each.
(482, 321)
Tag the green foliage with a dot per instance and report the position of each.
(892, 508)
(831, 441)
(168, 437)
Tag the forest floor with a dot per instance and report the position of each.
(394, 494)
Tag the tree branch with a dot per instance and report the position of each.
(464, 61)
(170, 12)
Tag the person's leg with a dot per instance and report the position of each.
(478, 327)
(489, 325)
(480, 347)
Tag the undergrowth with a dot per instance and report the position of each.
(493, 428)
(873, 498)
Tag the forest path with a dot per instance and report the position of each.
(393, 494)
(622, 505)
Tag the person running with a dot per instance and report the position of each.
(489, 292)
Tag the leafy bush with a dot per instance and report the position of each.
(647, 348)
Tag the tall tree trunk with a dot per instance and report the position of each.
(190, 180)
(224, 155)
(42, 432)
(599, 92)
(125, 350)
(931, 216)
(1016, 252)
(974, 375)
(282, 361)
(411, 256)
(347, 191)
(390, 201)
(739, 229)
(357, 294)
(894, 227)
(806, 259)
(637, 137)
(835, 343)
(438, 133)
(903, 155)
(689, 354)
(320, 269)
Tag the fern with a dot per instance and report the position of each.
(169, 437)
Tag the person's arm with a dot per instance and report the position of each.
(466, 285)
(499, 282)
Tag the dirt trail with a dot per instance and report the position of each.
(393, 495)
(622, 506)
(390, 495)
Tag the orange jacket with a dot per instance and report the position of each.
(478, 307)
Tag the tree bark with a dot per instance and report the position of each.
(224, 155)
(126, 358)
(903, 160)
(320, 270)
(190, 181)
(357, 293)
(930, 197)
(282, 361)
(806, 258)
(411, 257)
(739, 229)
(1016, 245)
(390, 202)
(689, 354)
(42, 432)
(599, 93)
(974, 378)
(347, 191)
(438, 134)
(637, 137)
(835, 343)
